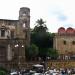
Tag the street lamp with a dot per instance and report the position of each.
(19, 56)
(16, 45)
(22, 46)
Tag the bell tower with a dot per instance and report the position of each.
(24, 17)
(24, 24)
(23, 31)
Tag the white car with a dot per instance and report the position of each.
(13, 73)
(56, 73)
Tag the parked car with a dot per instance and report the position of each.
(38, 68)
(14, 73)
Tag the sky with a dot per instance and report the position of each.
(56, 13)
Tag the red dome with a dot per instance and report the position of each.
(70, 30)
(61, 30)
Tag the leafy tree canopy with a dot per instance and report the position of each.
(43, 39)
(52, 53)
(32, 51)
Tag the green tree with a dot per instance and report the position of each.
(42, 38)
(52, 53)
(3, 71)
(39, 35)
(40, 26)
(32, 52)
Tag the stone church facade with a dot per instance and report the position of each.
(64, 43)
(14, 38)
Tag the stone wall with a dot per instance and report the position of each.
(61, 63)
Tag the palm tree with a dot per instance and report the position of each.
(40, 26)
(40, 22)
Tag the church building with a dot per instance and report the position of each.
(14, 38)
(64, 43)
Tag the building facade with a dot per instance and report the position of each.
(14, 38)
(64, 42)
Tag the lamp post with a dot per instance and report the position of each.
(19, 55)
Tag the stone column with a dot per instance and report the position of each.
(9, 53)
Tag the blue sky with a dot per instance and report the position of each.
(56, 13)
